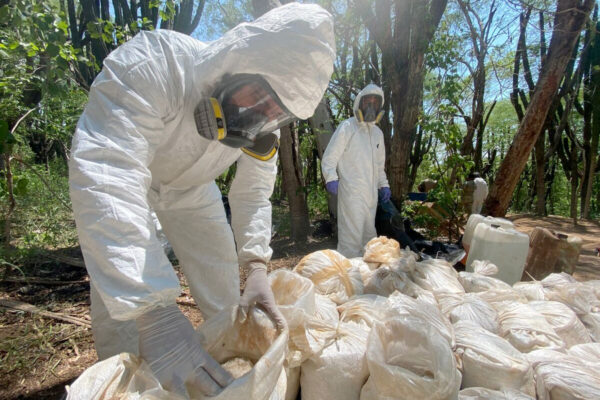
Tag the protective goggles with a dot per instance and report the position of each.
(369, 108)
(243, 113)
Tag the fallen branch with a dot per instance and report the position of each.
(42, 281)
(72, 261)
(30, 308)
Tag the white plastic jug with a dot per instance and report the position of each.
(475, 219)
(506, 248)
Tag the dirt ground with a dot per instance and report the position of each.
(40, 355)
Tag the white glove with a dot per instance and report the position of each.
(170, 346)
(258, 291)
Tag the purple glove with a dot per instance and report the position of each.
(385, 194)
(332, 187)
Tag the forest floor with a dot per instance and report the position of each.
(39, 355)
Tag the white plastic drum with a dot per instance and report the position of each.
(506, 248)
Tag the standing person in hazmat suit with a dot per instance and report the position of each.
(353, 167)
(166, 116)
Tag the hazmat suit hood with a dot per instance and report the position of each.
(370, 89)
(292, 47)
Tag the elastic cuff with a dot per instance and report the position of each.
(255, 265)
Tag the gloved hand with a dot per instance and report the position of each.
(385, 194)
(169, 344)
(332, 187)
(258, 291)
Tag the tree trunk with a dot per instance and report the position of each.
(293, 183)
(570, 17)
(540, 187)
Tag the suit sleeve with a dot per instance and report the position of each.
(334, 151)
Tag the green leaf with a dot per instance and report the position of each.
(52, 50)
(4, 13)
(4, 132)
(20, 187)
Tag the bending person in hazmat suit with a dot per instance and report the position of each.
(353, 167)
(166, 116)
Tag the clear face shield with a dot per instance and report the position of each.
(370, 108)
(243, 113)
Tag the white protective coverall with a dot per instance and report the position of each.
(479, 195)
(136, 148)
(356, 157)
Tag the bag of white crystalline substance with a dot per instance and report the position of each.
(468, 307)
(364, 310)
(587, 353)
(340, 370)
(309, 316)
(408, 359)
(490, 361)
(385, 281)
(382, 250)
(437, 276)
(333, 275)
(564, 321)
(532, 290)
(477, 393)
(423, 307)
(561, 376)
(126, 377)
(527, 329)
(482, 279)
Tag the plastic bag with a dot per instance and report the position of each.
(363, 268)
(557, 279)
(588, 353)
(532, 290)
(437, 276)
(481, 279)
(478, 393)
(560, 376)
(564, 321)
(382, 250)
(340, 370)
(490, 361)
(332, 273)
(407, 359)
(385, 281)
(527, 329)
(468, 307)
(124, 376)
(497, 297)
(400, 305)
(364, 310)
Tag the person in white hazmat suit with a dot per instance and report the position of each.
(166, 116)
(353, 168)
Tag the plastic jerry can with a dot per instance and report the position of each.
(475, 219)
(506, 248)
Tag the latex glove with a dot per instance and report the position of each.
(385, 194)
(170, 346)
(258, 292)
(332, 187)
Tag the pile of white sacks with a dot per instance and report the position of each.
(388, 327)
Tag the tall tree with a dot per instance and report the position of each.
(403, 30)
(569, 20)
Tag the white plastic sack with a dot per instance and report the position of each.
(588, 353)
(560, 376)
(364, 310)
(490, 361)
(497, 297)
(332, 273)
(340, 370)
(527, 329)
(482, 278)
(564, 321)
(437, 276)
(124, 376)
(400, 305)
(385, 281)
(468, 307)
(557, 279)
(407, 359)
(477, 393)
(382, 250)
(532, 290)
(364, 268)
(595, 285)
